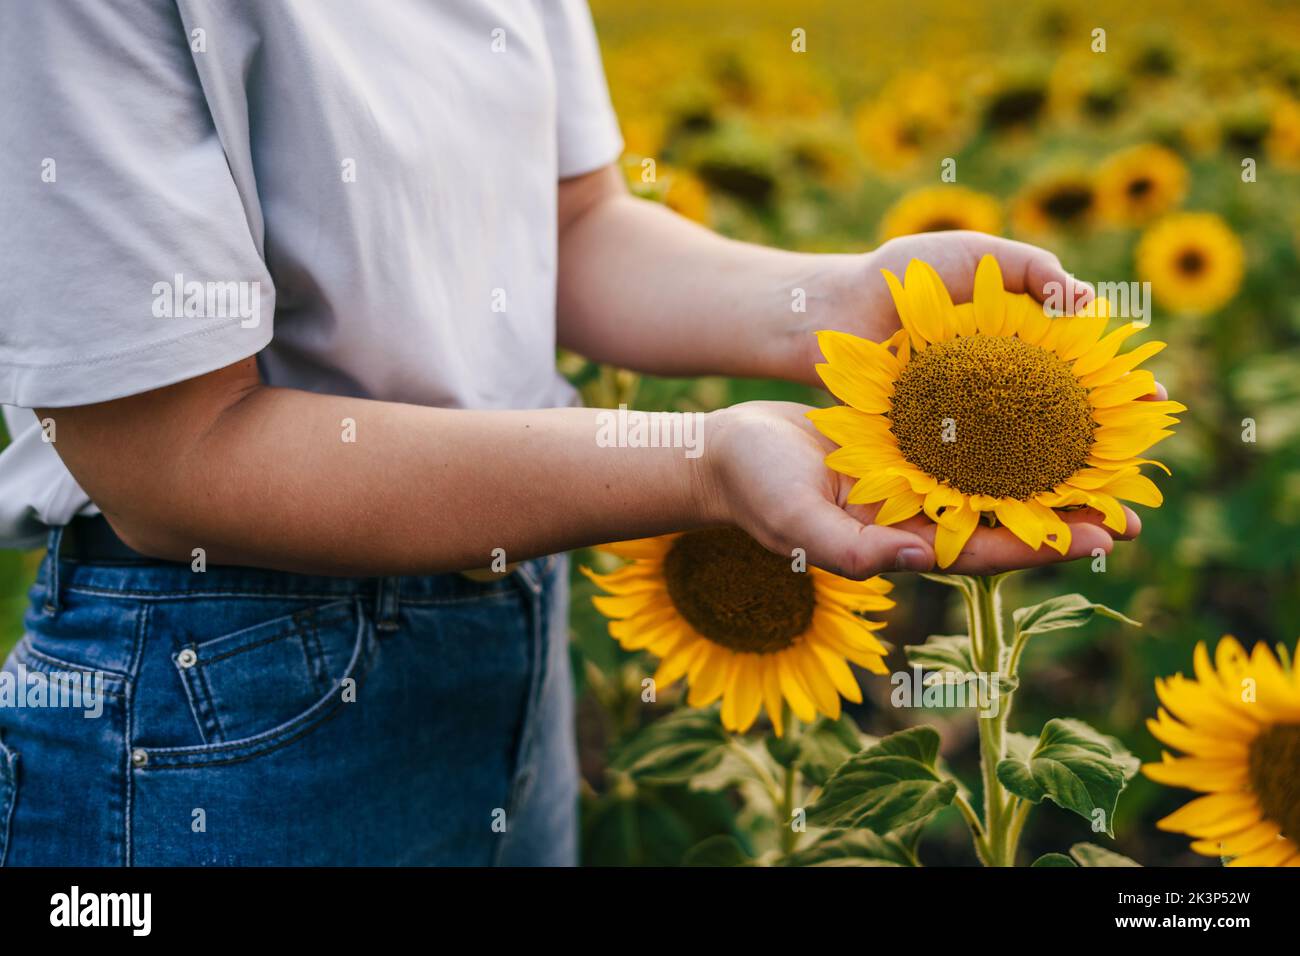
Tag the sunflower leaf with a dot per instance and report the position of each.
(675, 748)
(1058, 613)
(947, 659)
(853, 848)
(1072, 765)
(720, 850)
(1089, 854)
(825, 745)
(1053, 859)
(888, 785)
(959, 581)
(942, 652)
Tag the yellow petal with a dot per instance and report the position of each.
(876, 487)
(1021, 521)
(990, 297)
(846, 425)
(952, 533)
(900, 507)
(1118, 366)
(862, 392)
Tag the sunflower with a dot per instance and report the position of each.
(991, 408)
(1139, 183)
(937, 208)
(1065, 202)
(740, 623)
(914, 115)
(678, 189)
(1193, 261)
(1238, 723)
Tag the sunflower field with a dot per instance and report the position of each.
(1152, 146)
(1155, 148)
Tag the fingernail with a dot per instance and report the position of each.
(912, 559)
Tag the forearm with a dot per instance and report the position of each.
(643, 288)
(272, 482)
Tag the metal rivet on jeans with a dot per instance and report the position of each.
(187, 658)
(139, 758)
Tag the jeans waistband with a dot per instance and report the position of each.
(145, 580)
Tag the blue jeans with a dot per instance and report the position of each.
(249, 717)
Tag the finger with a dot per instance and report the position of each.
(841, 544)
(1027, 268)
(1132, 524)
(1159, 395)
(993, 550)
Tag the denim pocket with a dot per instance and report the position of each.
(8, 794)
(271, 676)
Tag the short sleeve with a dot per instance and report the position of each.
(128, 261)
(586, 127)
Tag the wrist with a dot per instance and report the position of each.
(839, 291)
(706, 473)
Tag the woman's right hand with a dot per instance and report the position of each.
(765, 473)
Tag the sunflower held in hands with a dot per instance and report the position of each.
(992, 408)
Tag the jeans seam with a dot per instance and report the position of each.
(534, 593)
(128, 782)
(10, 800)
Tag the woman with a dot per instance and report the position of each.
(284, 284)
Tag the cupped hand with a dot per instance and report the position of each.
(766, 474)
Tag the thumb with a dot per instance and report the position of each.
(841, 544)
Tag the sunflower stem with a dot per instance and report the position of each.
(790, 790)
(985, 618)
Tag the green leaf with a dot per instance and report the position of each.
(1054, 859)
(1089, 854)
(720, 850)
(675, 748)
(826, 744)
(732, 769)
(853, 848)
(950, 655)
(1072, 765)
(942, 652)
(1058, 613)
(652, 826)
(890, 784)
(959, 581)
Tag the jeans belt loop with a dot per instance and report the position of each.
(52, 570)
(386, 604)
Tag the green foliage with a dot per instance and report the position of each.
(887, 786)
(1073, 766)
(1059, 613)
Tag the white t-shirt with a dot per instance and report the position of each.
(360, 192)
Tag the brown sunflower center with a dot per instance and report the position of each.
(736, 593)
(1067, 204)
(1191, 262)
(1139, 188)
(992, 416)
(1275, 777)
(941, 224)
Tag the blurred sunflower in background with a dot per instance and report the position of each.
(1193, 261)
(1284, 133)
(913, 117)
(1238, 724)
(991, 408)
(1065, 202)
(678, 189)
(938, 208)
(1137, 184)
(741, 624)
